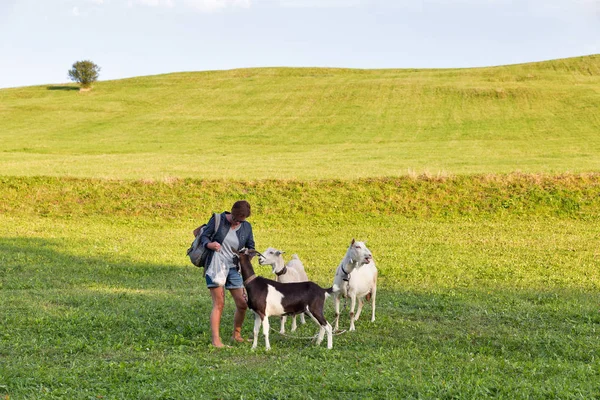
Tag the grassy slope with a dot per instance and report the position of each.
(310, 123)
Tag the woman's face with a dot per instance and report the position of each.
(235, 221)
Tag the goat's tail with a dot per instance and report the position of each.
(329, 291)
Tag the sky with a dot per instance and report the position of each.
(41, 39)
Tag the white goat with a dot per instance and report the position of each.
(355, 277)
(293, 271)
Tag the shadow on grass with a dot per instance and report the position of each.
(45, 289)
(47, 265)
(48, 291)
(62, 88)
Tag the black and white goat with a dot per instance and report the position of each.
(293, 271)
(267, 297)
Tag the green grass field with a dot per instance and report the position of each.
(477, 190)
(290, 123)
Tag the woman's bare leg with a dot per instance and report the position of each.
(240, 312)
(218, 301)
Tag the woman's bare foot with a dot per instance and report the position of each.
(238, 339)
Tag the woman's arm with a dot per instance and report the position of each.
(250, 240)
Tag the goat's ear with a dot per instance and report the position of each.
(278, 253)
(352, 241)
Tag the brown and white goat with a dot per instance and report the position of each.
(267, 297)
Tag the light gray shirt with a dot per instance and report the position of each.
(231, 240)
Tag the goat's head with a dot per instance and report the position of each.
(244, 256)
(359, 252)
(245, 252)
(272, 257)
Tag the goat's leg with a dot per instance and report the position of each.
(302, 320)
(282, 328)
(352, 305)
(324, 326)
(257, 322)
(336, 302)
(294, 326)
(312, 317)
(373, 295)
(321, 334)
(359, 309)
(265, 326)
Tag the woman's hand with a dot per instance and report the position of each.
(214, 246)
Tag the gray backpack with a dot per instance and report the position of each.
(197, 252)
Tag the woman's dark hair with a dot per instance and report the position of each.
(240, 209)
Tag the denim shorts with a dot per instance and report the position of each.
(234, 280)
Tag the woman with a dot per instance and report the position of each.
(234, 232)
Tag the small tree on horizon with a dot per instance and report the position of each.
(85, 72)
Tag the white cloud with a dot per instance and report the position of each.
(319, 3)
(199, 5)
(212, 5)
(79, 8)
(543, 7)
(153, 3)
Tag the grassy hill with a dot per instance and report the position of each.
(308, 123)
(488, 282)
